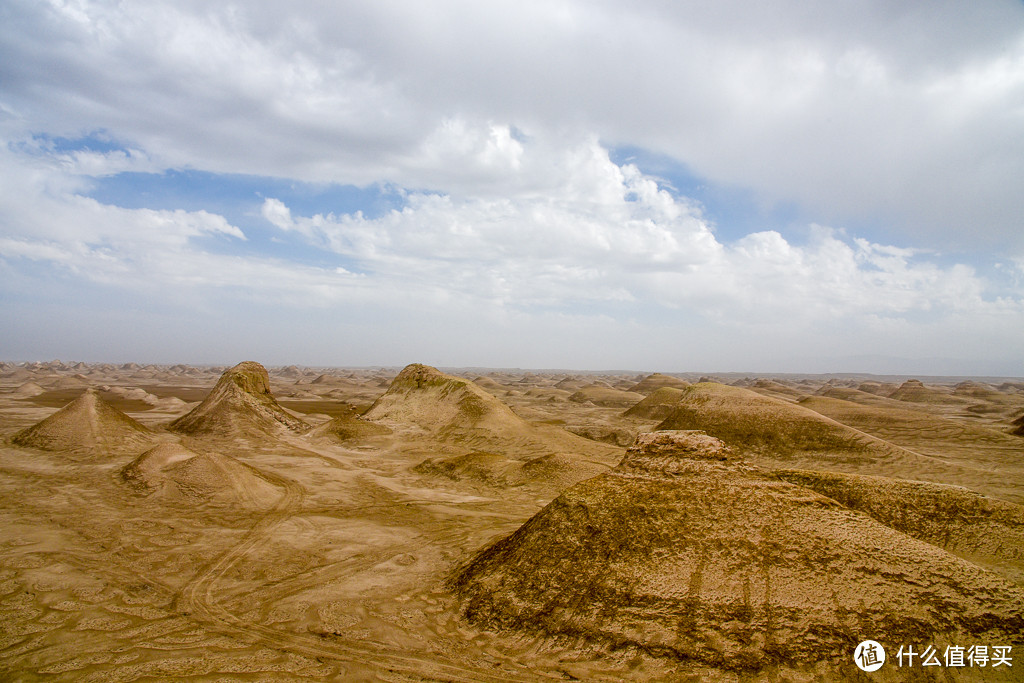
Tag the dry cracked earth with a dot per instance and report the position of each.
(234, 524)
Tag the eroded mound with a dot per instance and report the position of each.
(652, 383)
(348, 427)
(430, 399)
(915, 391)
(240, 403)
(658, 405)
(750, 421)
(685, 553)
(176, 473)
(87, 423)
(1018, 426)
(606, 397)
(983, 530)
(496, 444)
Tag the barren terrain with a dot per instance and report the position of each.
(201, 524)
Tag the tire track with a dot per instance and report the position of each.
(198, 599)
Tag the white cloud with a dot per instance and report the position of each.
(905, 114)
(493, 122)
(601, 233)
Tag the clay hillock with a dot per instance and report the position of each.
(17, 374)
(857, 396)
(87, 423)
(982, 530)
(658, 405)
(752, 422)
(651, 383)
(974, 389)
(547, 394)
(240, 403)
(686, 553)
(770, 387)
(328, 379)
(348, 428)
(617, 436)
(570, 384)
(487, 383)
(455, 412)
(978, 456)
(606, 396)
(878, 388)
(437, 402)
(777, 433)
(552, 471)
(28, 390)
(1018, 426)
(915, 391)
(172, 472)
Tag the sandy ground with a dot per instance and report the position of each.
(341, 576)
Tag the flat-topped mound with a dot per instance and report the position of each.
(240, 403)
(87, 423)
(684, 552)
(606, 397)
(175, 473)
(750, 421)
(652, 383)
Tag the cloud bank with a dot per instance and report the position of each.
(896, 132)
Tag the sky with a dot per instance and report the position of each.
(655, 185)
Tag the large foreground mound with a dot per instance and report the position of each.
(684, 553)
(174, 472)
(87, 423)
(240, 403)
(983, 530)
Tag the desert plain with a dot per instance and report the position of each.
(412, 524)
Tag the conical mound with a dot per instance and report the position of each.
(28, 390)
(176, 473)
(437, 402)
(658, 405)
(914, 391)
(652, 383)
(87, 423)
(685, 553)
(240, 403)
(457, 413)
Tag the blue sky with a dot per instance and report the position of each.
(560, 184)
